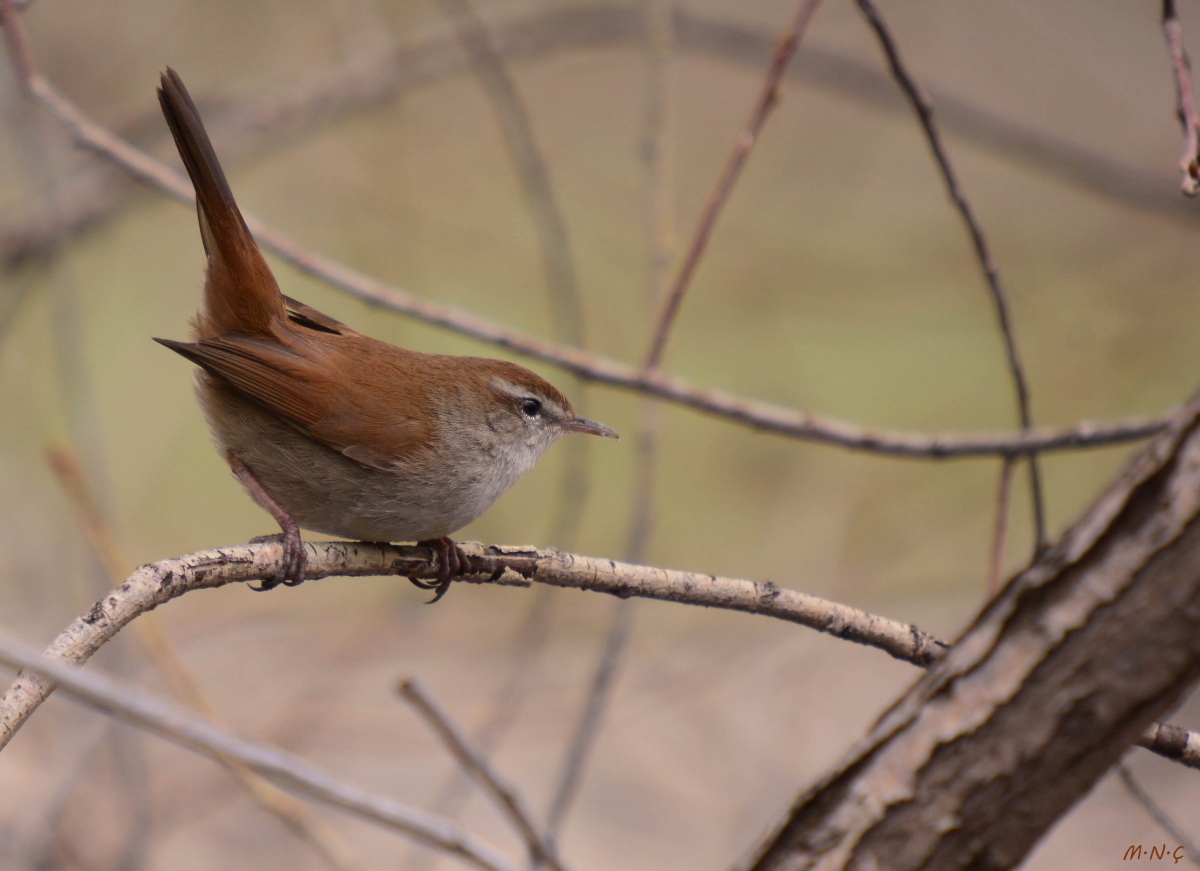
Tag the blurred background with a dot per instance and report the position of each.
(838, 280)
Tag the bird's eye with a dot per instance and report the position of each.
(531, 407)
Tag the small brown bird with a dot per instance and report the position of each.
(334, 431)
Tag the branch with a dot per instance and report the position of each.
(1157, 813)
(585, 733)
(766, 101)
(1182, 68)
(1172, 742)
(532, 171)
(476, 764)
(179, 725)
(158, 583)
(655, 147)
(983, 254)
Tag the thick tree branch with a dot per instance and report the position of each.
(1042, 695)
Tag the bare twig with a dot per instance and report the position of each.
(476, 764)
(1157, 813)
(1189, 163)
(660, 232)
(605, 370)
(529, 642)
(17, 44)
(733, 167)
(588, 729)
(180, 726)
(924, 112)
(1174, 743)
(1000, 529)
(534, 175)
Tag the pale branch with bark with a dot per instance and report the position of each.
(157, 649)
(156, 584)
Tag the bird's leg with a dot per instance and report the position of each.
(293, 548)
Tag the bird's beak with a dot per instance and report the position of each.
(579, 424)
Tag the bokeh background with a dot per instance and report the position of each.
(838, 280)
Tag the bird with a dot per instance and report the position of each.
(333, 431)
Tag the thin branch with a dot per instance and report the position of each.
(656, 139)
(17, 44)
(529, 642)
(184, 728)
(733, 168)
(1157, 813)
(1000, 529)
(924, 111)
(476, 764)
(1189, 163)
(532, 170)
(595, 367)
(588, 730)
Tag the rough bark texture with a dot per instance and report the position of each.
(1042, 694)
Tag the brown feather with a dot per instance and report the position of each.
(240, 294)
(306, 316)
(296, 380)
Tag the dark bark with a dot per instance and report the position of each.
(1056, 678)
